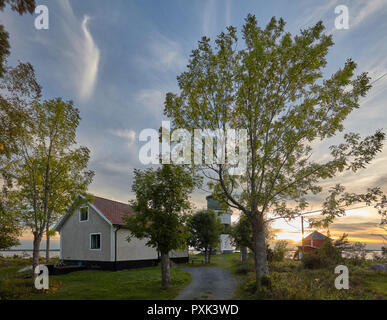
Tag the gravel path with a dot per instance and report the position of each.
(208, 283)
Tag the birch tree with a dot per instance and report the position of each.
(48, 172)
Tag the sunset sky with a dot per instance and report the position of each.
(117, 59)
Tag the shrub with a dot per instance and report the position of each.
(329, 254)
(312, 261)
(278, 253)
(280, 250)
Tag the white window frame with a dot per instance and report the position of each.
(100, 241)
(80, 213)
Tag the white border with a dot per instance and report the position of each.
(88, 212)
(100, 241)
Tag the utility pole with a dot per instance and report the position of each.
(302, 228)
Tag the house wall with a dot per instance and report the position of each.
(316, 243)
(75, 238)
(135, 249)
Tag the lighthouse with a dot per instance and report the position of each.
(225, 217)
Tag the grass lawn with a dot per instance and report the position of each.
(289, 280)
(228, 261)
(142, 284)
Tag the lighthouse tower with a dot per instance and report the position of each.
(225, 217)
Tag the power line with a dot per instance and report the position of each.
(378, 78)
(315, 211)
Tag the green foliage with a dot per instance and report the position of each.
(327, 256)
(48, 172)
(289, 281)
(312, 261)
(10, 229)
(280, 249)
(272, 86)
(162, 198)
(205, 229)
(44, 170)
(242, 234)
(329, 253)
(19, 91)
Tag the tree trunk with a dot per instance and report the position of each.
(35, 254)
(243, 254)
(206, 255)
(209, 256)
(165, 270)
(260, 257)
(47, 243)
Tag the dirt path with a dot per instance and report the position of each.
(208, 283)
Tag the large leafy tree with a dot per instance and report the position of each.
(205, 229)
(12, 96)
(162, 198)
(273, 87)
(19, 90)
(48, 172)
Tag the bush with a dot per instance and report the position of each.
(278, 253)
(280, 250)
(328, 255)
(312, 261)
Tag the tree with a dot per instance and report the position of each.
(273, 88)
(162, 198)
(342, 243)
(205, 228)
(19, 90)
(242, 236)
(48, 172)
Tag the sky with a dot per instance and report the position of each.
(117, 59)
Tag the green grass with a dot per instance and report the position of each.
(142, 284)
(227, 261)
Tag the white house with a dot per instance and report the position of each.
(95, 236)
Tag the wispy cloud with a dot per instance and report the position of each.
(164, 54)
(364, 10)
(228, 12)
(209, 17)
(82, 51)
(127, 134)
(90, 62)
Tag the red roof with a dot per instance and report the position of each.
(114, 211)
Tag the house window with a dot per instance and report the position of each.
(84, 214)
(95, 241)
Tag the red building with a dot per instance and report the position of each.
(313, 242)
